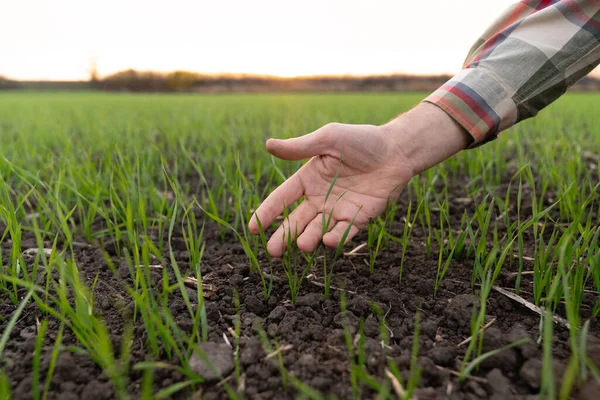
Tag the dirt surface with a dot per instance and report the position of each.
(312, 330)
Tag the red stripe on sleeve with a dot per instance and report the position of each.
(468, 100)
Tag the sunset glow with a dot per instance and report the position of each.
(57, 40)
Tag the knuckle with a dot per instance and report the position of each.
(327, 135)
(332, 126)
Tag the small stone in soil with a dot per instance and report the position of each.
(95, 390)
(316, 332)
(477, 389)
(65, 369)
(427, 393)
(527, 350)
(255, 305)
(69, 387)
(277, 314)
(252, 352)
(506, 360)
(498, 382)
(443, 356)
(307, 360)
(248, 318)
(273, 301)
(320, 383)
(388, 295)
(360, 305)
(431, 375)
(371, 326)
(212, 311)
(272, 330)
(493, 338)
(309, 300)
(28, 332)
(220, 357)
(345, 319)
(429, 328)
(459, 311)
(407, 342)
(531, 373)
(236, 280)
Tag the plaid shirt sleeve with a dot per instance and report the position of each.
(527, 59)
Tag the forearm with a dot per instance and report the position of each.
(426, 136)
(524, 62)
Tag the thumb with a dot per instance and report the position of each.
(313, 144)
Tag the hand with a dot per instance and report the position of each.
(371, 171)
(375, 165)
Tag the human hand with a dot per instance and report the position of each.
(372, 163)
(370, 168)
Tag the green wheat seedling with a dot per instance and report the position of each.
(406, 234)
(13, 321)
(90, 332)
(457, 250)
(488, 272)
(377, 235)
(248, 249)
(37, 355)
(423, 198)
(195, 246)
(325, 223)
(273, 350)
(326, 219)
(477, 361)
(5, 392)
(294, 272)
(415, 369)
(328, 272)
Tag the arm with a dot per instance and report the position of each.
(527, 59)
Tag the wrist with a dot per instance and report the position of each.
(426, 136)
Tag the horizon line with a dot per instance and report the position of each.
(593, 74)
(241, 75)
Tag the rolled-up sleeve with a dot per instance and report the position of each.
(527, 59)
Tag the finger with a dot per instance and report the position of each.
(333, 238)
(313, 144)
(313, 233)
(290, 228)
(286, 194)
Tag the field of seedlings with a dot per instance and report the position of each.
(128, 270)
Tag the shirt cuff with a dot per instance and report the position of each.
(479, 102)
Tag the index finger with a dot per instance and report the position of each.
(287, 193)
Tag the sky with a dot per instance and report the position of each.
(58, 39)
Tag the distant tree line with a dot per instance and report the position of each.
(6, 84)
(148, 81)
(184, 81)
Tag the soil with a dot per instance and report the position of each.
(311, 331)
